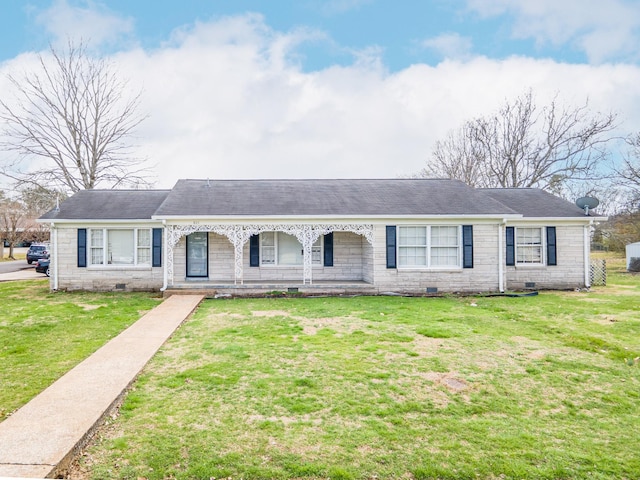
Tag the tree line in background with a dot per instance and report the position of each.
(18, 214)
(69, 128)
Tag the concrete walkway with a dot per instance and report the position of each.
(41, 438)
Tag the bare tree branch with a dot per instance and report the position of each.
(522, 145)
(629, 171)
(73, 115)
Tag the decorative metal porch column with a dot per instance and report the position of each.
(238, 235)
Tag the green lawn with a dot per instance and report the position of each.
(43, 334)
(388, 387)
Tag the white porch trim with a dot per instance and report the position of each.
(239, 235)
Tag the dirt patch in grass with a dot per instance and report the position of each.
(454, 384)
(348, 324)
(286, 420)
(87, 306)
(605, 319)
(451, 380)
(270, 313)
(427, 346)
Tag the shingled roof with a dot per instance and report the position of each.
(327, 197)
(301, 198)
(533, 202)
(109, 205)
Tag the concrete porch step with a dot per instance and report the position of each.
(293, 288)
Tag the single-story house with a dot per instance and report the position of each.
(319, 236)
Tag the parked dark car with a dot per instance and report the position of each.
(42, 266)
(37, 251)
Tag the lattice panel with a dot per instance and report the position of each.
(598, 273)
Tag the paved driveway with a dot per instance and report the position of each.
(14, 266)
(19, 272)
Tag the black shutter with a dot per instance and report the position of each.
(328, 250)
(254, 251)
(82, 247)
(467, 246)
(511, 246)
(551, 246)
(157, 248)
(391, 246)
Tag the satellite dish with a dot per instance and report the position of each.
(587, 203)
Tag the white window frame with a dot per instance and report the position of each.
(429, 248)
(101, 249)
(521, 245)
(316, 250)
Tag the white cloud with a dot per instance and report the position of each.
(450, 45)
(604, 30)
(93, 23)
(227, 99)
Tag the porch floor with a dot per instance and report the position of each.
(221, 288)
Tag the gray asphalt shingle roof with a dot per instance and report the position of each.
(533, 202)
(358, 197)
(327, 197)
(109, 205)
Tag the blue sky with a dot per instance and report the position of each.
(397, 28)
(334, 88)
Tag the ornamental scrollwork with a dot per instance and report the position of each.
(239, 235)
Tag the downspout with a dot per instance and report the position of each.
(165, 275)
(501, 256)
(587, 256)
(54, 230)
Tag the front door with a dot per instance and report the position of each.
(198, 254)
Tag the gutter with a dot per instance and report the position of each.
(54, 231)
(587, 256)
(165, 273)
(501, 277)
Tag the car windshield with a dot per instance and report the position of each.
(38, 247)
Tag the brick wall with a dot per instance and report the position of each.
(354, 260)
(347, 262)
(567, 274)
(481, 278)
(98, 278)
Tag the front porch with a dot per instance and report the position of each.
(218, 289)
(252, 259)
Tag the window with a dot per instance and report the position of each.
(278, 248)
(529, 246)
(268, 247)
(444, 246)
(412, 246)
(131, 246)
(144, 247)
(429, 246)
(97, 247)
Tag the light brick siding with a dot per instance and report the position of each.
(481, 278)
(567, 274)
(354, 260)
(347, 262)
(71, 277)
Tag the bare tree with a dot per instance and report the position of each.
(73, 114)
(522, 145)
(12, 223)
(629, 171)
(39, 200)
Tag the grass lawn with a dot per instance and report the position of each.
(388, 387)
(17, 256)
(44, 334)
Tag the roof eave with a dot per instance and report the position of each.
(227, 218)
